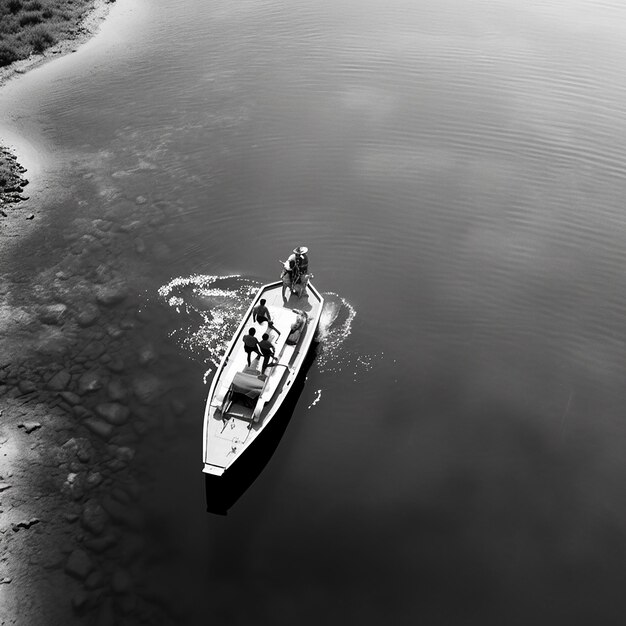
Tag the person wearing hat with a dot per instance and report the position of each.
(302, 259)
(295, 267)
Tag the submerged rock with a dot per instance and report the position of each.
(113, 412)
(52, 313)
(70, 397)
(147, 388)
(94, 517)
(117, 390)
(89, 381)
(79, 564)
(110, 295)
(59, 381)
(98, 427)
(87, 315)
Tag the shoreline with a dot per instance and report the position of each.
(84, 396)
(86, 28)
(12, 193)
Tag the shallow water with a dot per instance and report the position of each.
(458, 173)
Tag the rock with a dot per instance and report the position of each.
(81, 412)
(94, 350)
(70, 397)
(95, 580)
(87, 315)
(4, 487)
(131, 226)
(25, 524)
(89, 381)
(110, 295)
(147, 388)
(26, 386)
(74, 486)
(113, 412)
(29, 426)
(116, 364)
(79, 446)
(147, 355)
(114, 332)
(93, 479)
(100, 544)
(59, 381)
(79, 599)
(122, 513)
(124, 453)
(6, 580)
(141, 200)
(100, 428)
(94, 517)
(117, 390)
(52, 313)
(79, 564)
(121, 582)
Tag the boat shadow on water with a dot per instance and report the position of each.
(222, 492)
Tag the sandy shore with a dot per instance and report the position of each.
(14, 195)
(82, 389)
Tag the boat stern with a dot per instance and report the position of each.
(213, 470)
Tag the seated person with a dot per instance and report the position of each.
(251, 344)
(267, 350)
(261, 314)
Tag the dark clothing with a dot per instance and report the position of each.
(261, 314)
(302, 263)
(250, 345)
(267, 350)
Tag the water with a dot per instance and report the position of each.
(458, 173)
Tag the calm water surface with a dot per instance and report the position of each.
(458, 172)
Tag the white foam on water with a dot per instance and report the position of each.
(211, 308)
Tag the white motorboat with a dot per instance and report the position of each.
(242, 400)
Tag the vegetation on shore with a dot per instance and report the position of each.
(12, 180)
(31, 26)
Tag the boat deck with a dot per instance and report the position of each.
(228, 433)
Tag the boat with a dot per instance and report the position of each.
(242, 400)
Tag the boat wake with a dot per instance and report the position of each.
(211, 307)
(334, 328)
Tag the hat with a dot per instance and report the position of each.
(300, 250)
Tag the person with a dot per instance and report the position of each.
(261, 314)
(267, 350)
(296, 270)
(302, 259)
(251, 344)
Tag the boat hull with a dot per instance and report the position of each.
(233, 422)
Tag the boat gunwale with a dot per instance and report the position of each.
(280, 392)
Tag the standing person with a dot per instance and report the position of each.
(298, 266)
(267, 350)
(251, 344)
(302, 259)
(261, 314)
